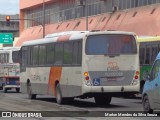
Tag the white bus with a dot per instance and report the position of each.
(9, 69)
(81, 64)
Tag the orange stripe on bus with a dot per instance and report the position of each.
(63, 38)
(55, 75)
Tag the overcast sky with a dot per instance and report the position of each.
(9, 6)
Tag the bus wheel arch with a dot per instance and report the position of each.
(4, 89)
(29, 90)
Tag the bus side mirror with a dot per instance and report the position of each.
(146, 75)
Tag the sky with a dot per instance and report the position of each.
(9, 6)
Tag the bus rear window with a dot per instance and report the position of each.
(110, 44)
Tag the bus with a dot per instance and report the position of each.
(81, 64)
(149, 47)
(9, 69)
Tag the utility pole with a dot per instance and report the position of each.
(84, 4)
(43, 18)
(86, 14)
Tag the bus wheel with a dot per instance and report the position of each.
(58, 94)
(29, 91)
(102, 100)
(4, 89)
(146, 105)
(17, 90)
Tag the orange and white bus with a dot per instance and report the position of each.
(82, 64)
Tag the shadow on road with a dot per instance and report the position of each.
(81, 104)
(9, 91)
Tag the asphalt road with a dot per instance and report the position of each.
(13, 101)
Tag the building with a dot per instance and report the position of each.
(12, 28)
(139, 16)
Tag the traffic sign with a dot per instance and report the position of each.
(6, 38)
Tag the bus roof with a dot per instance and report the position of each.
(64, 33)
(9, 48)
(112, 32)
(148, 38)
(70, 35)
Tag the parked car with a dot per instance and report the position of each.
(151, 90)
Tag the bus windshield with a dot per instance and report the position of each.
(16, 56)
(110, 44)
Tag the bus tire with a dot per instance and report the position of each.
(29, 92)
(4, 89)
(102, 100)
(68, 100)
(59, 98)
(146, 105)
(17, 90)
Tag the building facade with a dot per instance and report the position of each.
(139, 16)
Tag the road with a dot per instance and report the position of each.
(19, 102)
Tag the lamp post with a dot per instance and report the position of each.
(86, 14)
(84, 4)
(43, 18)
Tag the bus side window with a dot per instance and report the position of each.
(42, 55)
(79, 52)
(24, 59)
(147, 61)
(35, 57)
(29, 56)
(154, 53)
(76, 54)
(142, 55)
(58, 54)
(50, 54)
(67, 56)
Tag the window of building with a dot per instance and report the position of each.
(70, 10)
